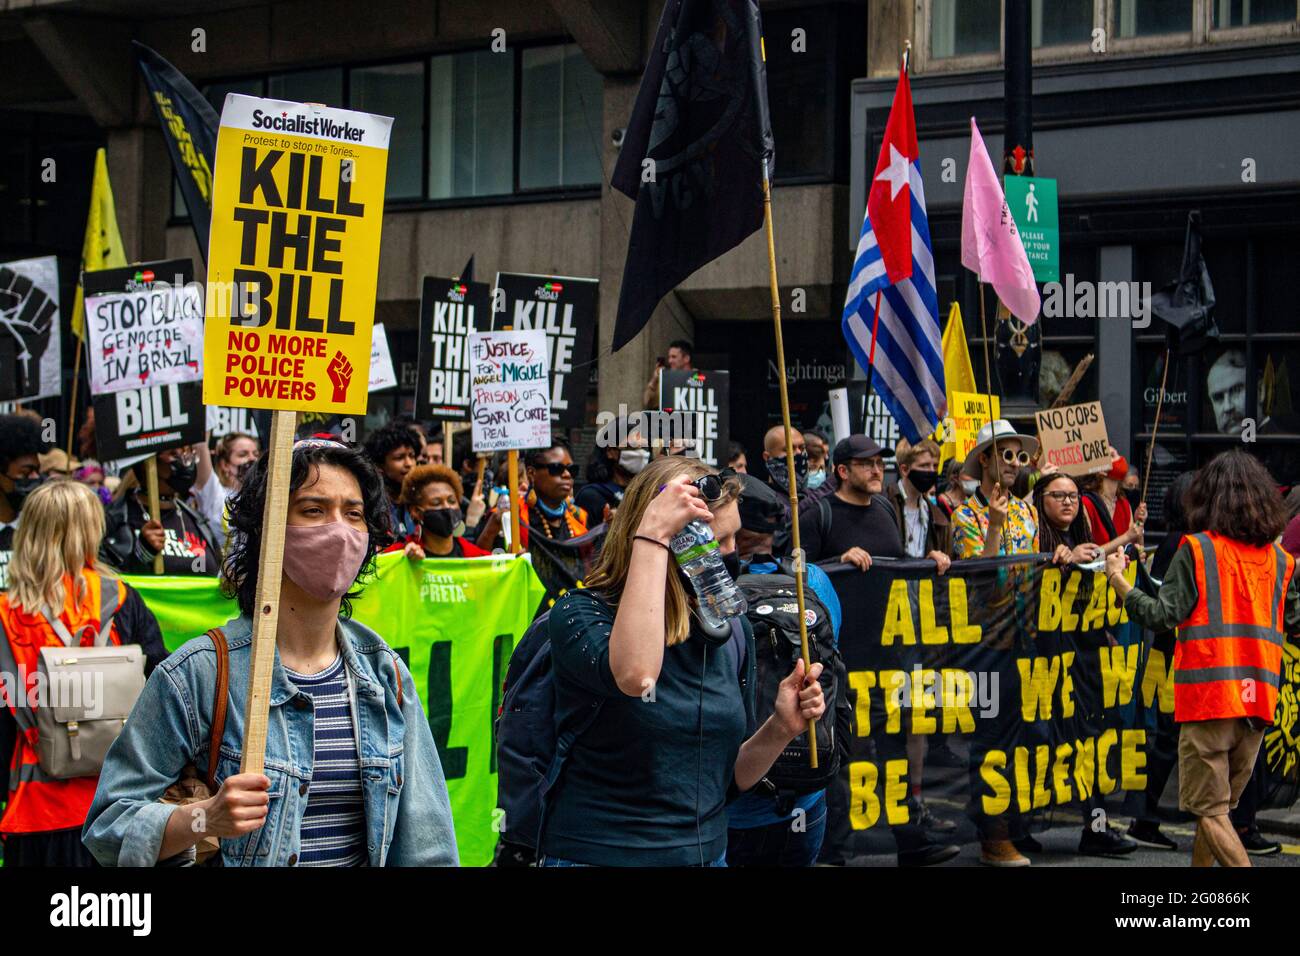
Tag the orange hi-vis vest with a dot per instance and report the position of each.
(39, 803)
(1228, 661)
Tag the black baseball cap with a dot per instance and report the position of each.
(857, 446)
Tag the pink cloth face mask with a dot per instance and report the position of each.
(324, 559)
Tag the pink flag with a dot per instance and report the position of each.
(990, 241)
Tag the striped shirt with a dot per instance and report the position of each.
(333, 825)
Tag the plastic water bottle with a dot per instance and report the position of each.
(697, 555)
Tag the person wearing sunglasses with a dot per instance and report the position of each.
(662, 708)
(548, 508)
(183, 531)
(993, 521)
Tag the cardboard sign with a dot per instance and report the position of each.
(382, 375)
(510, 401)
(144, 326)
(565, 308)
(146, 421)
(970, 413)
(702, 397)
(293, 258)
(449, 311)
(30, 355)
(1074, 438)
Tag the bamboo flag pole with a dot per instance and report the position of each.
(1155, 427)
(155, 506)
(988, 384)
(72, 405)
(270, 565)
(789, 451)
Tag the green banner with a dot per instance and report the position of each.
(454, 622)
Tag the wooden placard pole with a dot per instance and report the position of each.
(512, 467)
(270, 568)
(789, 451)
(155, 505)
(72, 405)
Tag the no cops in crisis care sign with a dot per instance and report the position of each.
(297, 207)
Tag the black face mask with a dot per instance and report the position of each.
(22, 488)
(922, 481)
(182, 478)
(776, 468)
(732, 563)
(440, 522)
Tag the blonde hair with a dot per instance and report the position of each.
(59, 534)
(610, 573)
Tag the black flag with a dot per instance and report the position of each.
(701, 117)
(467, 273)
(189, 125)
(1186, 305)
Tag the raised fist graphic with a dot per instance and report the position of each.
(27, 314)
(340, 373)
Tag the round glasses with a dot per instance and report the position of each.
(1015, 457)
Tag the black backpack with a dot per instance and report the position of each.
(773, 612)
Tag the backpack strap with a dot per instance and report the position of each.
(108, 590)
(823, 518)
(563, 745)
(218, 638)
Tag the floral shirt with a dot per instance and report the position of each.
(970, 524)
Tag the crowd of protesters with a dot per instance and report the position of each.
(69, 528)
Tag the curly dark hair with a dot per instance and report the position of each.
(1175, 503)
(19, 435)
(239, 571)
(393, 435)
(1235, 496)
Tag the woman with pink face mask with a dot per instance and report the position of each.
(352, 774)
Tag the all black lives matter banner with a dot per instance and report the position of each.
(700, 397)
(1046, 692)
(449, 311)
(565, 308)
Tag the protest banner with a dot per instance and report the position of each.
(702, 398)
(968, 414)
(1073, 438)
(1033, 671)
(565, 308)
(382, 375)
(30, 364)
(150, 420)
(297, 208)
(449, 311)
(457, 659)
(510, 407)
(293, 261)
(144, 326)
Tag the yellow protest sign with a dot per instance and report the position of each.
(967, 414)
(293, 255)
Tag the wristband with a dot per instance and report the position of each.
(646, 537)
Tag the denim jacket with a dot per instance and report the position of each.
(407, 812)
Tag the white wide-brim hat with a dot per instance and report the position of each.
(984, 440)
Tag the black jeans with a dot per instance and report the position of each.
(778, 844)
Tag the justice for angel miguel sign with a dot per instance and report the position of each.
(297, 209)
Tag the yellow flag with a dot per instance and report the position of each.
(102, 248)
(958, 375)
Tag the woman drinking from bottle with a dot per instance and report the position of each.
(660, 701)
